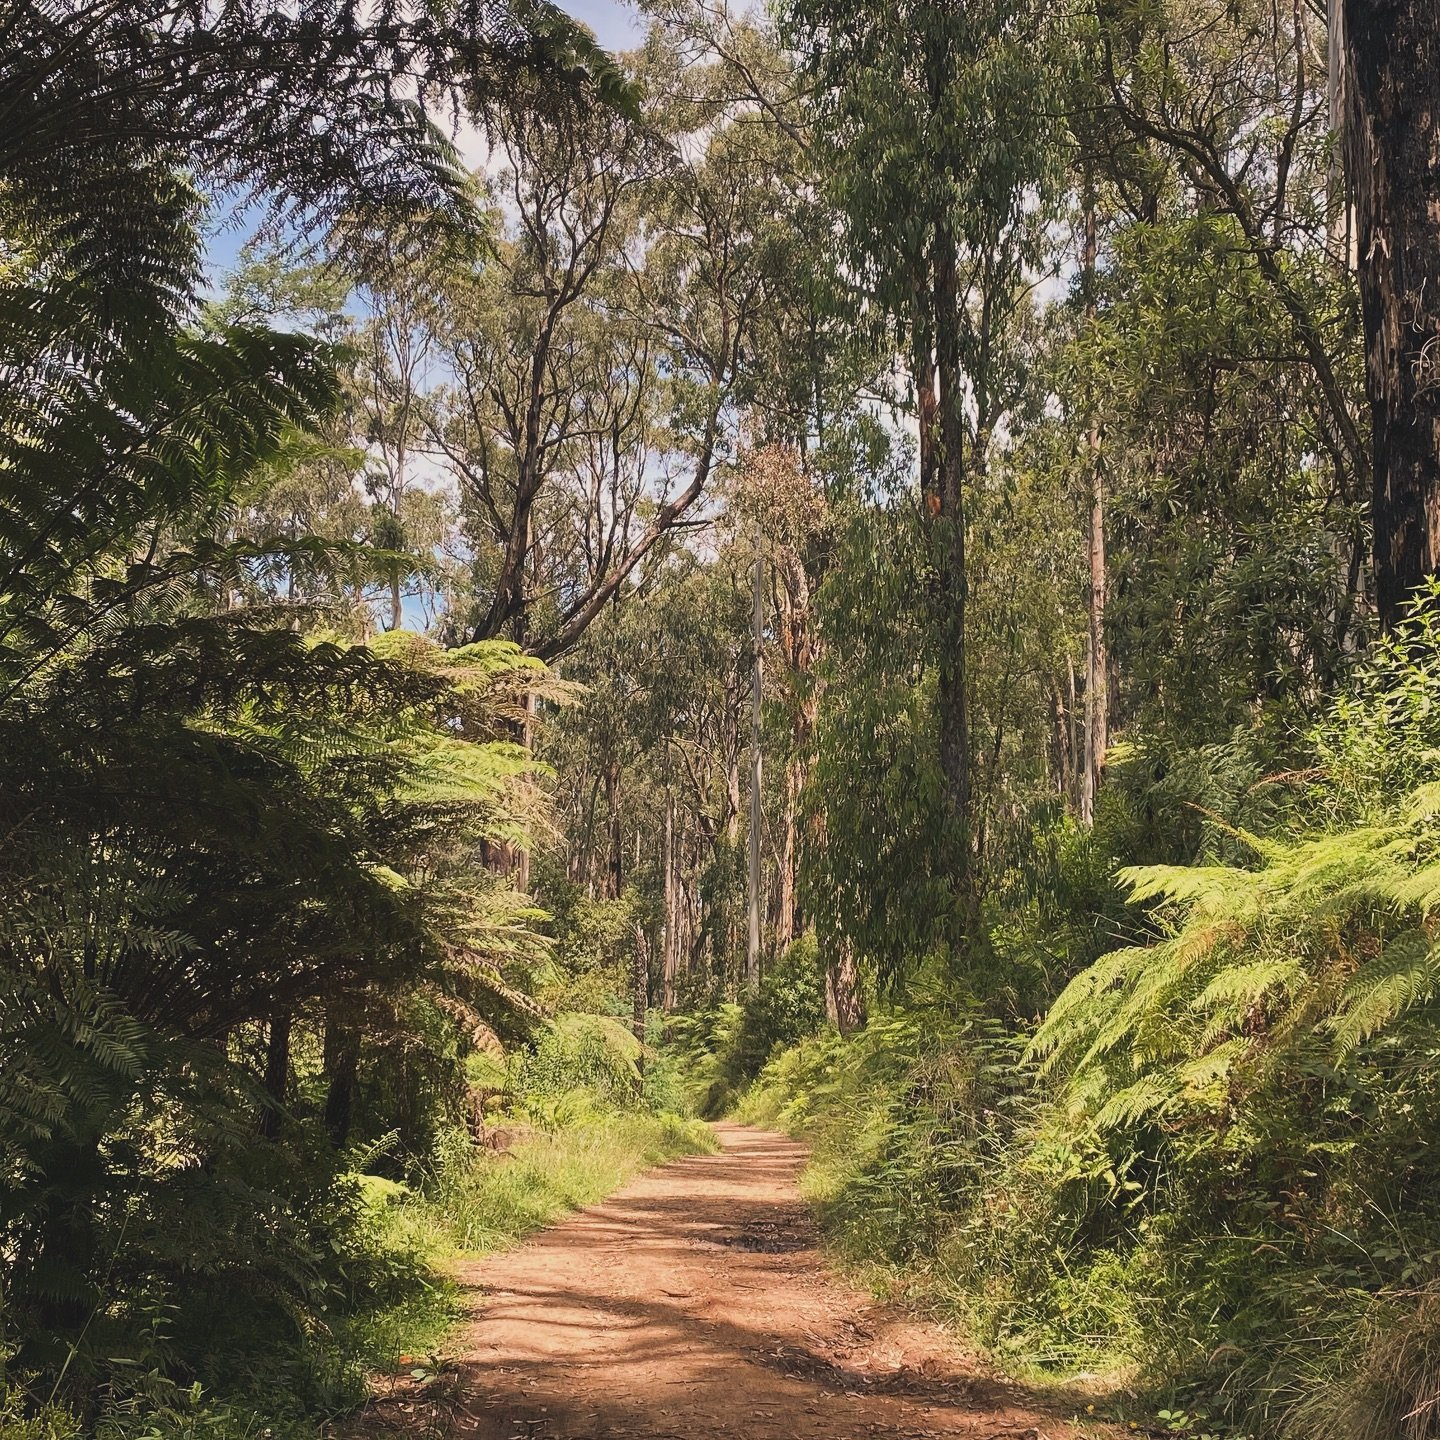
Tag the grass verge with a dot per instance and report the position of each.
(473, 1207)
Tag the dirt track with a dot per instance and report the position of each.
(693, 1304)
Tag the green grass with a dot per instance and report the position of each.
(504, 1199)
(474, 1207)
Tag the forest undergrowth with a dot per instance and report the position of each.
(890, 551)
(1202, 1186)
(570, 1120)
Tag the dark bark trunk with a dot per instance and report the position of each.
(616, 874)
(1097, 696)
(1392, 144)
(342, 1065)
(277, 1074)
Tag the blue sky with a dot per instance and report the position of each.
(616, 26)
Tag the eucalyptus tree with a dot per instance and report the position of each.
(1214, 120)
(543, 403)
(938, 135)
(648, 767)
(592, 366)
(1215, 350)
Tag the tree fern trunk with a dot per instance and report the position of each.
(342, 1065)
(277, 1074)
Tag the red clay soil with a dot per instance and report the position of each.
(693, 1304)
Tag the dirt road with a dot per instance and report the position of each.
(691, 1305)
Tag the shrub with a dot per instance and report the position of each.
(722, 1050)
(593, 1056)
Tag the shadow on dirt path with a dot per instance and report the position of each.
(693, 1304)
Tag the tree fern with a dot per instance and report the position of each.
(1326, 941)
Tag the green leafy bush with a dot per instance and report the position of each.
(579, 1054)
(722, 1050)
(1214, 1171)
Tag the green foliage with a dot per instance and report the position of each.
(226, 835)
(477, 1206)
(875, 874)
(721, 1051)
(1301, 958)
(1220, 1185)
(591, 958)
(263, 984)
(593, 1054)
(387, 1248)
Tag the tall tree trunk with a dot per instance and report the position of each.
(527, 739)
(670, 939)
(277, 1074)
(950, 468)
(1097, 696)
(342, 1065)
(787, 909)
(800, 647)
(927, 406)
(1062, 765)
(615, 872)
(640, 988)
(1097, 656)
(1337, 191)
(1392, 142)
(752, 949)
(397, 599)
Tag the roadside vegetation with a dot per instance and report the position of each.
(1202, 1183)
(281, 1326)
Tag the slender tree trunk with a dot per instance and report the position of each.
(527, 739)
(1097, 658)
(342, 1066)
(1074, 775)
(1337, 189)
(1062, 740)
(669, 939)
(787, 918)
(950, 467)
(397, 599)
(1097, 699)
(752, 950)
(589, 848)
(615, 877)
(1392, 141)
(927, 405)
(801, 647)
(640, 987)
(277, 1074)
